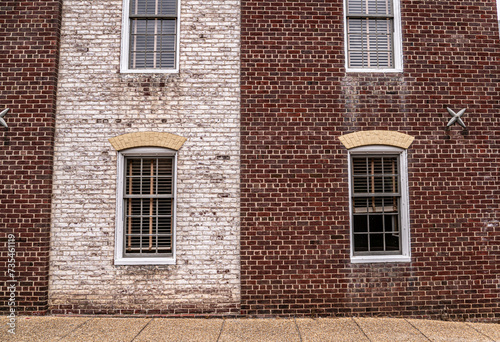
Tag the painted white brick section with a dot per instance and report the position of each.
(95, 103)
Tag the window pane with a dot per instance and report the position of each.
(361, 184)
(165, 167)
(376, 223)
(375, 184)
(390, 205)
(360, 223)
(370, 42)
(380, 7)
(164, 244)
(168, 7)
(150, 60)
(375, 166)
(376, 205)
(357, 59)
(360, 205)
(152, 43)
(390, 184)
(164, 186)
(167, 60)
(138, 6)
(359, 165)
(355, 6)
(391, 165)
(138, 43)
(167, 43)
(361, 243)
(391, 223)
(168, 27)
(153, 7)
(377, 242)
(392, 242)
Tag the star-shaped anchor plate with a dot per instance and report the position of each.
(456, 117)
(2, 114)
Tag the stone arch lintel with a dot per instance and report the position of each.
(145, 139)
(376, 137)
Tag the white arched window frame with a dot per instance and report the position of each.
(384, 255)
(145, 230)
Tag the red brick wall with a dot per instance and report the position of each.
(29, 35)
(297, 99)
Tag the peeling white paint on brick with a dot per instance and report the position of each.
(95, 103)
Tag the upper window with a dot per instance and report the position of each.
(379, 204)
(146, 207)
(373, 35)
(150, 36)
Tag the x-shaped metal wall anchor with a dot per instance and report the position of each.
(456, 117)
(2, 114)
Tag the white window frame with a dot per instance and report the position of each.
(498, 14)
(397, 43)
(120, 214)
(404, 205)
(125, 44)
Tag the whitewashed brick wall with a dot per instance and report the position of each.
(96, 102)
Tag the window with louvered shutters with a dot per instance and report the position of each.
(370, 34)
(152, 34)
(379, 204)
(146, 202)
(148, 199)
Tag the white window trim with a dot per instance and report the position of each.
(125, 44)
(141, 152)
(397, 41)
(498, 14)
(404, 211)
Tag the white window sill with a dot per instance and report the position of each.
(145, 261)
(149, 71)
(379, 258)
(374, 70)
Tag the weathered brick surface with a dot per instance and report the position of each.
(29, 32)
(95, 103)
(297, 100)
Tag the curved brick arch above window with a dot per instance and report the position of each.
(376, 137)
(147, 139)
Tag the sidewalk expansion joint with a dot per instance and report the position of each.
(480, 332)
(298, 330)
(144, 327)
(359, 326)
(221, 329)
(414, 327)
(76, 328)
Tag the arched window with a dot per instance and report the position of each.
(146, 199)
(378, 196)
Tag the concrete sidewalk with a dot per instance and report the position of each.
(246, 330)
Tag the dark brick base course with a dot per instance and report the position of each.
(171, 311)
